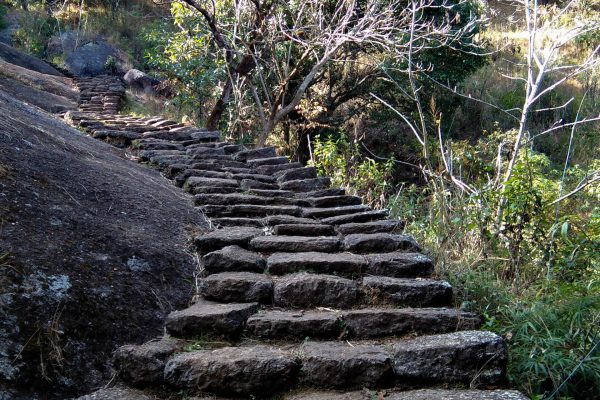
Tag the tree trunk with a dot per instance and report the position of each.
(217, 112)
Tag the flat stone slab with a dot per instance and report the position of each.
(321, 193)
(475, 357)
(238, 371)
(399, 264)
(198, 181)
(295, 324)
(248, 184)
(144, 364)
(270, 193)
(340, 365)
(296, 174)
(408, 292)
(358, 217)
(249, 210)
(378, 322)
(304, 290)
(264, 152)
(215, 240)
(237, 222)
(233, 259)
(304, 230)
(271, 169)
(325, 244)
(334, 201)
(333, 211)
(238, 198)
(240, 287)
(306, 185)
(257, 162)
(384, 226)
(206, 317)
(442, 394)
(363, 243)
(328, 263)
(287, 219)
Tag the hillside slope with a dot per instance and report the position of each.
(84, 233)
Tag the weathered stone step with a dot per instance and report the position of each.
(408, 292)
(271, 193)
(306, 185)
(257, 162)
(237, 221)
(233, 259)
(293, 174)
(326, 263)
(379, 243)
(271, 169)
(422, 394)
(287, 219)
(248, 184)
(248, 210)
(333, 211)
(464, 357)
(255, 177)
(382, 226)
(304, 290)
(215, 240)
(399, 264)
(321, 193)
(194, 182)
(238, 371)
(156, 144)
(206, 317)
(304, 230)
(358, 217)
(182, 176)
(325, 244)
(358, 324)
(334, 201)
(264, 152)
(229, 199)
(238, 287)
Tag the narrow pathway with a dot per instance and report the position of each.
(304, 292)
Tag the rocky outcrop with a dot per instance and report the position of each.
(301, 287)
(93, 253)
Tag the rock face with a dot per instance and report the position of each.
(85, 242)
(140, 81)
(91, 59)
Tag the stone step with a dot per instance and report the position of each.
(234, 371)
(182, 177)
(379, 243)
(156, 144)
(333, 211)
(382, 226)
(346, 264)
(358, 324)
(407, 292)
(257, 162)
(271, 169)
(306, 185)
(234, 236)
(238, 287)
(321, 193)
(399, 264)
(205, 318)
(293, 174)
(246, 155)
(248, 184)
(304, 290)
(255, 177)
(358, 217)
(239, 221)
(287, 219)
(270, 193)
(304, 230)
(334, 201)
(422, 394)
(193, 182)
(233, 259)
(248, 210)
(325, 244)
(231, 199)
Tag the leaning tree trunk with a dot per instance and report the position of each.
(219, 108)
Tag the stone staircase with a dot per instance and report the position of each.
(304, 292)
